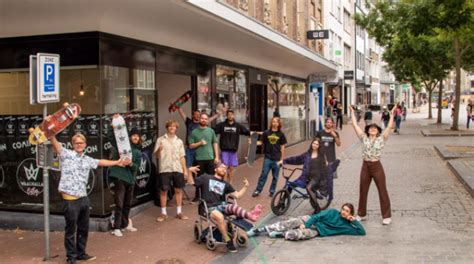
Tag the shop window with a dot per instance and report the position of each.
(204, 97)
(231, 92)
(290, 95)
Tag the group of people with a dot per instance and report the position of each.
(210, 164)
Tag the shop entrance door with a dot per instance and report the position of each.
(257, 115)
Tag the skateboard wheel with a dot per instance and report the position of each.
(65, 104)
(31, 130)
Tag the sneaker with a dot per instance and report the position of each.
(255, 194)
(361, 218)
(195, 201)
(230, 247)
(162, 218)
(255, 213)
(117, 233)
(181, 216)
(275, 234)
(130, 229)
(86, 257)
(386, 221)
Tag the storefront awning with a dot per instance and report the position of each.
(204, 27)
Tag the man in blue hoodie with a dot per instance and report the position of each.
(329, 222)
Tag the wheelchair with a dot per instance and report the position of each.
(206, 231)
(281, 200)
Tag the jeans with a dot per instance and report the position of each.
(339, 122)
(398, 120)
(189, 157)
(267, 165)
(468, 121)
(76, 215)
(123, 196)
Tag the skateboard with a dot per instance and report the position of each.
(181, 100)
(55, 124)
(121, 136)
(252, 153)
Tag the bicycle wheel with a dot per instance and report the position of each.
(281, 202)
(322, 202)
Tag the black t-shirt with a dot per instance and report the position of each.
(213, 190)
(328, 144)
(272, 142)
(190, 126)
(385, 116)
(368, 115)
(317, 167)
(230, 135)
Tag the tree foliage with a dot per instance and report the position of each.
(420, 36)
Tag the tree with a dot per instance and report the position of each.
(277, 88)
(411, 56)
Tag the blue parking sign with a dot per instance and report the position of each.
(49, 77)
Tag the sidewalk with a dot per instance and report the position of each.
(433, 215)
(154, 242)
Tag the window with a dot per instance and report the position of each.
(347, 55)
(347, 21)
(231, 92)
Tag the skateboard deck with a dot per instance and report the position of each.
(121, 136)
(181, 100)
(252, 152)
(57, 123)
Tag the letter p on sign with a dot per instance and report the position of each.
(49, 77)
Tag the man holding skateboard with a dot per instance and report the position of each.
(169, 150)
(230, 132)
(75, 169)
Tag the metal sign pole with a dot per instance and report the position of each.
(46, 197)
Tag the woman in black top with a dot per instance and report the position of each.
(315, 170)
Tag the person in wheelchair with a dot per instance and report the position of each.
(315, 172)
(213, 191)
(329, 222)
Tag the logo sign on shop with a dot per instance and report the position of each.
(317, 34)
(348, 75)
(47, 77)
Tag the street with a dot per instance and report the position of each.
(433, 215)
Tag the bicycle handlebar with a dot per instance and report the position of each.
(292, 171)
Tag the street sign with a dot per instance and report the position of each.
(47, 77)
(33, 81)
(317, 34)
(348, 75)
(46, 158)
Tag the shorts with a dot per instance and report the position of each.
(229, 158)
(190, 157)
(167, 179)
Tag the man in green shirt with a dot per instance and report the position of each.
(329, 222)
(204, 141)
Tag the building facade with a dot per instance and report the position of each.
(134, 58)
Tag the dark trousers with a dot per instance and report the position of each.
(339, 122)
(369, 171)
(76, 214)
(205, 166)
(123, 195)
(317, 183)
(468, 121)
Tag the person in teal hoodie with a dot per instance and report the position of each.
(329, 222)
(124, 182)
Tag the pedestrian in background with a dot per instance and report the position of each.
(385, 116)
(367, 115)
(329, 140)
(469, 112)
(339, 115)
(124, 182)
(373, 141)
(397, 117)
(274, 142)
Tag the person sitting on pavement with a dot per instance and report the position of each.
(329, 222)
(315, 171)
(213, 191)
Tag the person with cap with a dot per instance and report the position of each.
(124, 181)
(229, 140)
(373, 140)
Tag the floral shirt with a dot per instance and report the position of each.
(75, 170)
(372, 150)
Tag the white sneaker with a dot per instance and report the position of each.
(361, 218)
(386, 221)
(117, 233)
(130, 228)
